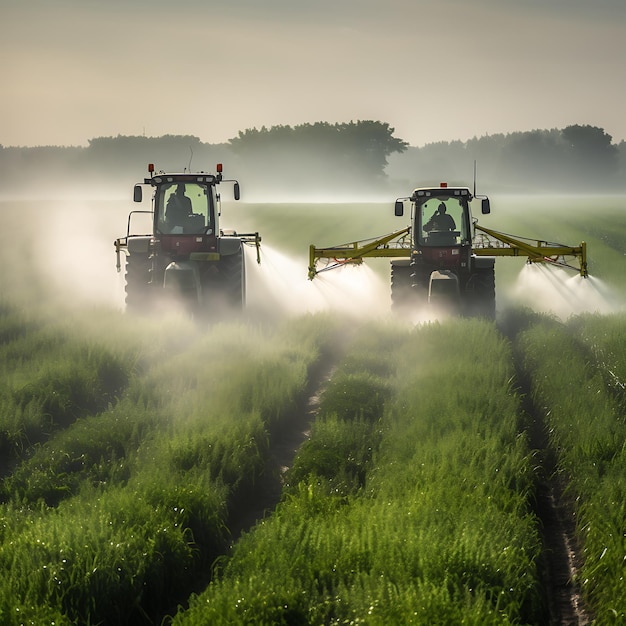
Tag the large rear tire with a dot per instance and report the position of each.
(409, 287)
(138, 288)
(420, 283)
(233, 280)
(401, 287)
(224, 287)
(480, 294)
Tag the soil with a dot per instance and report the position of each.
(285, 445)
(561, 556)
(561, 552)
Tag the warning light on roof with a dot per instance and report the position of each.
(219, 168)
(443, 184)
(151, 167)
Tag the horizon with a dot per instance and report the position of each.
(166, 134)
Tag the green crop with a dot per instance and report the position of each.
(417, 511)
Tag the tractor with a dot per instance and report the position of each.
(187, 258)
(444, 259)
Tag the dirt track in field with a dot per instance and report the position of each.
(561, 557)
(561, 552)
(284, 447)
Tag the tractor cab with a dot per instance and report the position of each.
(441, 220)
(185, 207)
(442, 224)
(186, 210)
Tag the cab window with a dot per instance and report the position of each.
(183, 208)
(441, 222)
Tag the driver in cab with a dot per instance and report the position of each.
(179, 207)
(440, 220)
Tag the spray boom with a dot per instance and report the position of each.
(494, 243)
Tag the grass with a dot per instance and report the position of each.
(130, 446)
(416, 512)
(112, 517)
(585, 418)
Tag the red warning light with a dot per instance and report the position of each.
(151, 167)
(443, 184)
(219, 168)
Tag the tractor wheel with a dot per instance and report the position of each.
(480, 294)
(409, 287)
(401, 287)
(420, 282)
(232, 280)
(138, 288)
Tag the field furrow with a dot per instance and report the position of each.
(314, 460)
(584, 422)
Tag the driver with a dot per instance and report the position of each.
(178, 207)
(440, 220)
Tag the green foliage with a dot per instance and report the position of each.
(355, 395)
(583, 406)
(105, 555)
(439, 527)
(358, 145)
(50, 380)
(126, 501)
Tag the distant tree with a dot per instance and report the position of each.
(592, 157)
(320, 153)
(621, 161)
(539, 160)
(533, 159)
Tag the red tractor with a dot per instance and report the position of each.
(444, 257)
(187, 258)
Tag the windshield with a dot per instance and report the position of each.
(442, 221)
(184, 208)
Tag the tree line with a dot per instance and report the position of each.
(575, 158)
(335, 157)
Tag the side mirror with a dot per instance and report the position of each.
(137, 193)
(236, 191)
(399, 208)
(485, 206)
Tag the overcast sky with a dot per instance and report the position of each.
(435, 70)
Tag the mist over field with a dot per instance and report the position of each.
(362, 161)
(322, 455)
(60, 254)
(145, 444)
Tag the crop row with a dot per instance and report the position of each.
(115, 512)
(577, 373)
(410, 503)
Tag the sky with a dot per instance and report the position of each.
(435, 70)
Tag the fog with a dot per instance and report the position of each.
(553, 290)
(59, 254)
(279, 286)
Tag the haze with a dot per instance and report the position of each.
(436, 71)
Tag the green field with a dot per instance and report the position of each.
(141, 475)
